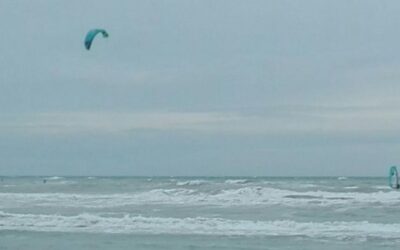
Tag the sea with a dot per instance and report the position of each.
(39, 213)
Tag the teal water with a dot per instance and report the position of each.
(198, 213)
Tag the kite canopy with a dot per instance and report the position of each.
(91, 35)
(394, 178)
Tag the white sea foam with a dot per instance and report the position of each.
(236, 181)
(55, 178)
(245, 196)
(95, 223)
(306, 185)
(382, 187)
(191, 182)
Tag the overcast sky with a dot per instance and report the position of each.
(207, 87)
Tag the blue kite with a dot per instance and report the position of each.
(91, 35)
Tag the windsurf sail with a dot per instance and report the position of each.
(394, 178)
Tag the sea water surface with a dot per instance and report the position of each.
(198, 213)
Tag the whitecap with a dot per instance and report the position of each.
(191, 182)
(382, 187)
(130, 224)
(307, 185)
(245, 196)
(236, 181)
(55, 178)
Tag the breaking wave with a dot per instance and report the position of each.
(55, 178)
(236, 181)
(245, 196)
(191, 182)
(96, 223)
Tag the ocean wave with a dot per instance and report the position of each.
(55, 178)
(96, 223)
(191, 182)
(236, 181)
(60, 182)
(245, 196)
(382, 187)
(306, 185)
(8, 185)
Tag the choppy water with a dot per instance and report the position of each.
(198, 213)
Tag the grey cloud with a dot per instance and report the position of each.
(244, 86)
